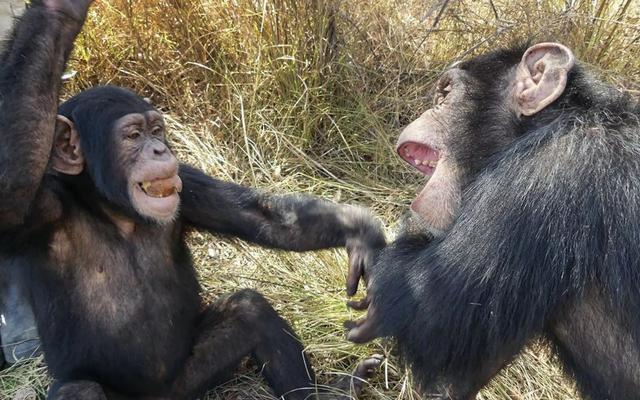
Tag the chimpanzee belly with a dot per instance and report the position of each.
(122, 313)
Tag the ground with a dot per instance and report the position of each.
(309, 97)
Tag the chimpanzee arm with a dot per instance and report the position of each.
(295, 222)
(30, 75)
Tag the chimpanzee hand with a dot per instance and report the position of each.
(386, 288)
(365, 329)
(363, 251)
(74, 9)
(362, 247)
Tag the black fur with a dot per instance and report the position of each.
(118, 311)
(95, 110)
(545, 243)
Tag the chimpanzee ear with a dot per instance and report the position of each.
(66, 156)
(541, 76)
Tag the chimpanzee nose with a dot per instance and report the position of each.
(159, 148)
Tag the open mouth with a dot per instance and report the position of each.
(422, 157)
(161, 188)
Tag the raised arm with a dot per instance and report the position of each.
(30, 71)
(293, 222)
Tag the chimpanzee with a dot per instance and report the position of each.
(532, 211)
(94, 207)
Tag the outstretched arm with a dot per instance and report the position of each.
(30, 71)
(295, 222)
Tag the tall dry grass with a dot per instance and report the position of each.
(309, 96)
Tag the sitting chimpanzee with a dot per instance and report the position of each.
(94, 208)
(533, 205)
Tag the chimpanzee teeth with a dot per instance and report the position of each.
(427, 163)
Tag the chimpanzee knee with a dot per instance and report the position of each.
(250, 305)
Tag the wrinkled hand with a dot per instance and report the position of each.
(363, 243)
(363, 250)
(362, 254)
(74, 9)
(365, 329)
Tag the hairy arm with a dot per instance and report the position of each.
(293, 222)
(470, 299)
(31, 67)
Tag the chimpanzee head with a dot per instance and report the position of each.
(480, 106)
(113, 139)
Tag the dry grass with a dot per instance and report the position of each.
(308, 96)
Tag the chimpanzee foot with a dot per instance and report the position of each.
(25, 394)
(349, 387)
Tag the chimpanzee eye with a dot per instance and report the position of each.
(133, 135)
(439, 97)
(157, 131)
(442, 90)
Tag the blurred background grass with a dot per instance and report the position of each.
(309, 96)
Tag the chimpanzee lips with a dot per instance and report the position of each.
(421, 156)
(161, 188)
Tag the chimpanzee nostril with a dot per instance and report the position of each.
(159, 148)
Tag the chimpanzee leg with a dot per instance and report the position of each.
(600, 349)
(466, 387)
(244, 324)
(89, 390)
(76, 390)
(462, 387)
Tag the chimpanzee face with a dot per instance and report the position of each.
(153, 183)
(423, 144)
(114, 141)
(476, 110)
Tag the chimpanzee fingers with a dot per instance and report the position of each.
(359, 305)
(361, 259)
(368, 264)
(356, 269)
(361, 331)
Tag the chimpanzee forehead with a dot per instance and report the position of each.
(144, 118)
(111, 102)
(494, 62)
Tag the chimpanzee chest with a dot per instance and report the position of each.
(122, 307)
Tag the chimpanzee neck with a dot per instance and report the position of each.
(126, 226)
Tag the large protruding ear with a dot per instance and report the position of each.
(66, 156)
(541, 76)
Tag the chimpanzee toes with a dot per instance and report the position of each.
(367, 368)
(351, 385)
